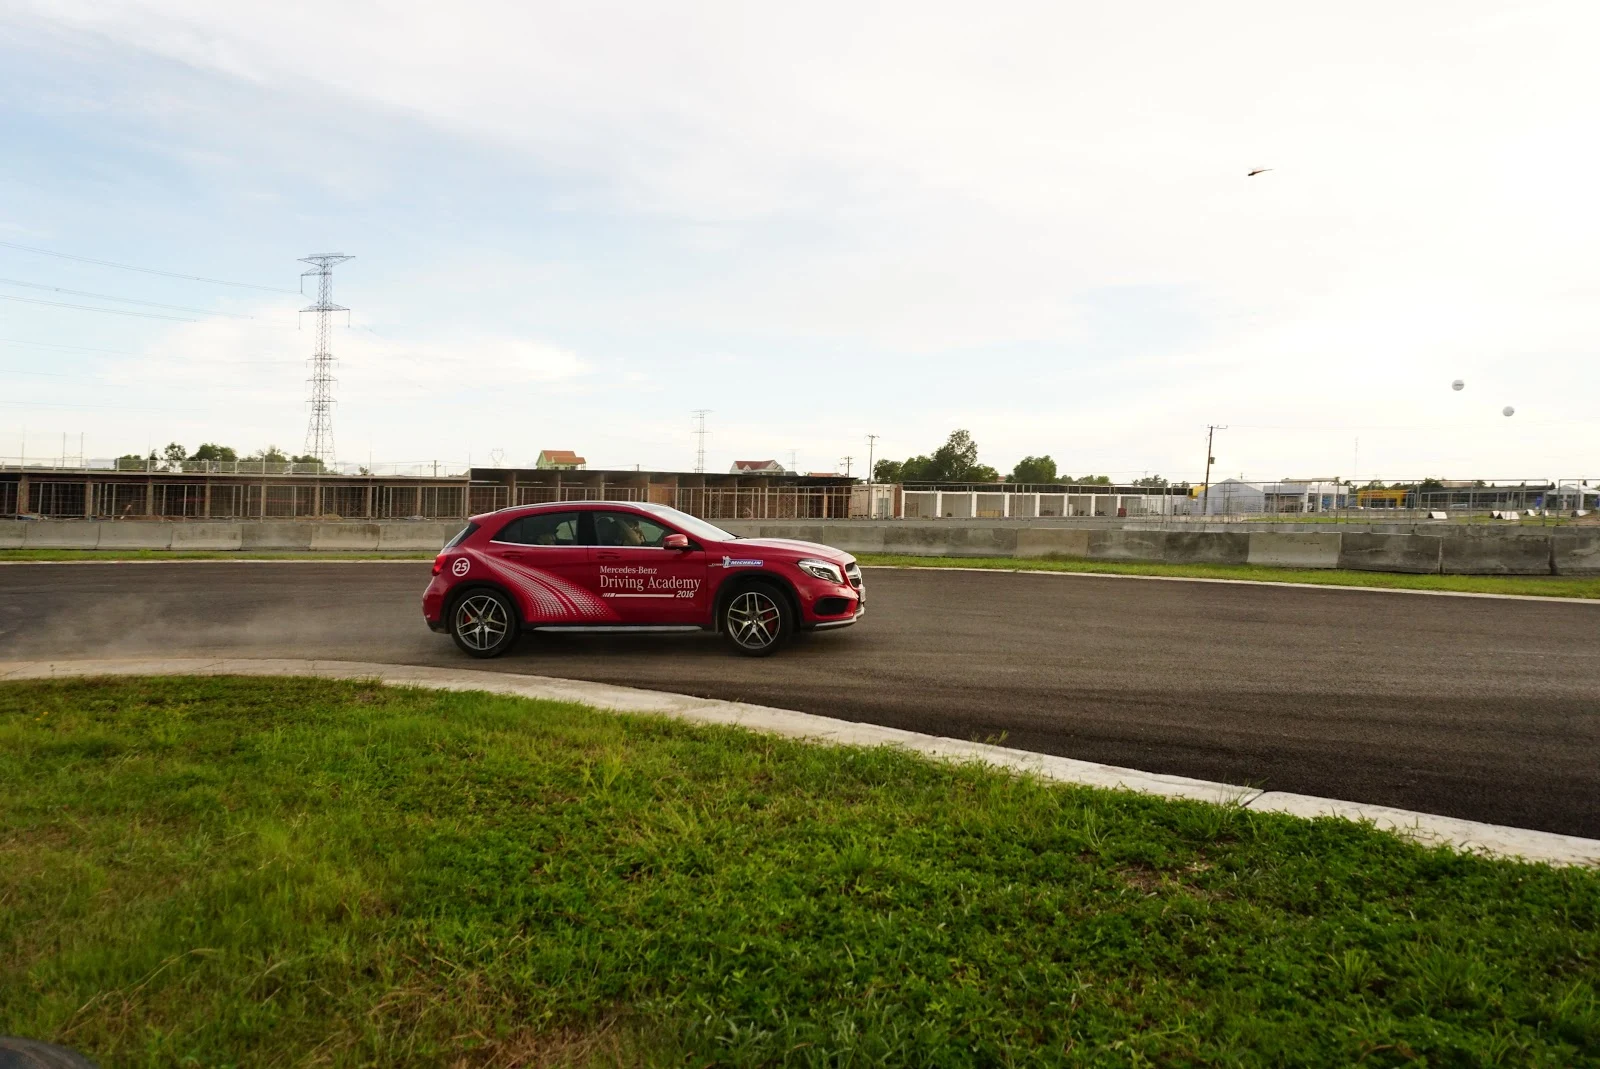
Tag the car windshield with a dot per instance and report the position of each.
(690, 524)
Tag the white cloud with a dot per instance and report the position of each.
(920, 180)
(237, 381)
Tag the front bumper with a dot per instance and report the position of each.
(828, 625)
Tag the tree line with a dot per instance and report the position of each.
(956, 461)
(175, 455)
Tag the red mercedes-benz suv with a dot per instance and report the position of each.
(625, 566)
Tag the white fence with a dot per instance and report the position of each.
(1000, 504)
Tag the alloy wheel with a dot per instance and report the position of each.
(754, 620)
(481, 622)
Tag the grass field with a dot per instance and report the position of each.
(1543, 585)
(307, 872)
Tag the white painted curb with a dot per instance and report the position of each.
(1429, 829)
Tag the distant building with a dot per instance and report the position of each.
(1235, 496)
(560, 460)
(756, 467)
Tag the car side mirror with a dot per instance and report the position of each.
(675, 541)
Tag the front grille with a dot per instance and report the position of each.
(852, 572)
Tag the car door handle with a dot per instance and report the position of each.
(608, 554)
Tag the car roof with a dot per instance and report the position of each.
(558, 506)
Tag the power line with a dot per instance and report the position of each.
(319, 431)
(119, 408)
(1211, 431)
(124, 300)
(143, 270)
(72, 348)
(700, 431)
(92, 308)
(129, 352)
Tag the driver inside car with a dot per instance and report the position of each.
(622, 531)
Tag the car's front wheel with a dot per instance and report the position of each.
(757, 620)
(483, 622)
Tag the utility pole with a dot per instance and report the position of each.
(1205, 498)
(872, 501)
(847, 461)
(700, 431)
(794, 461)
(319, 431)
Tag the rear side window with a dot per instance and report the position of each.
(542, 529)
(464, 534)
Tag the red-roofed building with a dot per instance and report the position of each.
(560, 460)
(756, 467)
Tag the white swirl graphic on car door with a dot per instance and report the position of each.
(549, 598)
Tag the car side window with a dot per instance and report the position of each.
(627, 529)
(543, 529)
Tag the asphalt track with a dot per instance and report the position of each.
(1475, 708)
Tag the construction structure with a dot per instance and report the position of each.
(709, 495)
(264, 490)
(319, 425)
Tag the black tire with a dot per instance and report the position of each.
(483, 622)
(757, 619)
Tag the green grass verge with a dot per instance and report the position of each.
(49, 555)
(274, 872)
(1547, 586)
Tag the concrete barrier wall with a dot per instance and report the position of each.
(1575, 554)
(1293, 550)
(132, 536)
(345, 536)
(207, 536)
(282, 537)
(1451, 550)
(413, 537)
(1415, 548)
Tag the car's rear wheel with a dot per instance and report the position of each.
(757, 620)
(483, 622)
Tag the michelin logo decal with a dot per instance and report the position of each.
(733, 562)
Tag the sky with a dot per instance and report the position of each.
(576, 223)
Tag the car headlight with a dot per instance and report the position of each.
(822, 570)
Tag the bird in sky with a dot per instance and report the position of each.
(1258, 170)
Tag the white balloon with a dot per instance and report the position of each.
(1508, 411)
(1458, 385)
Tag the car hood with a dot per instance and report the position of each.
(790, 546)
